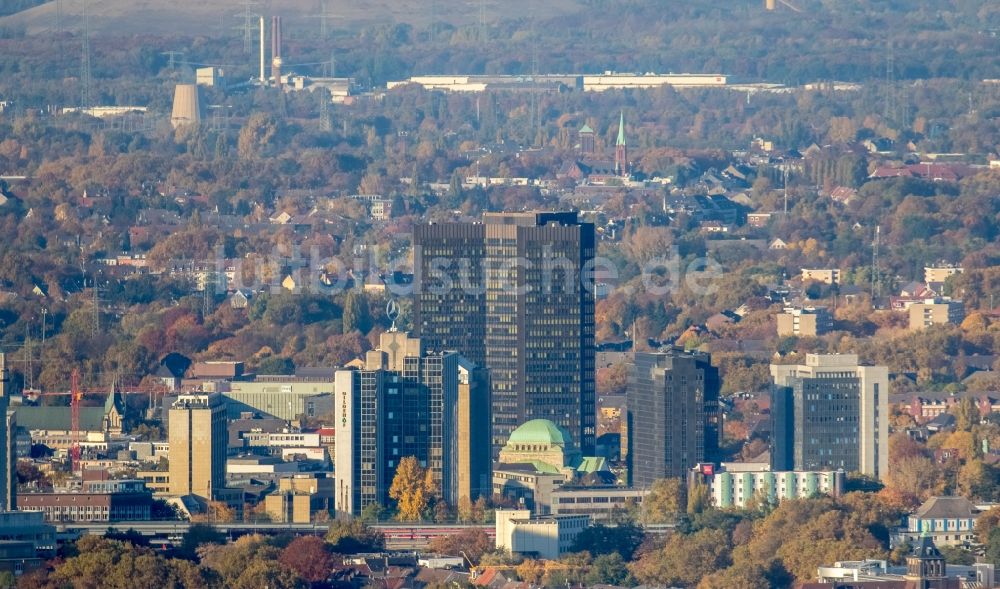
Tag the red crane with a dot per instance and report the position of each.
(75, 396)
(74, 404)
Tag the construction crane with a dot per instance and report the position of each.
(75, 396)
(74, 405)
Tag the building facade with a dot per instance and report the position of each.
(406, 402)
(604, 504)
(673, 414)
(737, 489)
(510, 294)
(541, 536)
(936, 312)
(949, 521)
(824, 275)
(300, 498)
(938, 274)
(120, 500)
(8, 453)
(198, 442)
(807, 321)
(830, 413)
(280, 396)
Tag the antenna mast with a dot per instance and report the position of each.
(876, 286)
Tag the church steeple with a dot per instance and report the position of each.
(621, 151)
(925, 562)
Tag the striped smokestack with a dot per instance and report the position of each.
(276, 50)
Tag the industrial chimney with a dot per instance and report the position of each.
(263, 75)
(187, 109)
(276, 50)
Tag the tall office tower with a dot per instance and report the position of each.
(672, 400)
(408, 401)
(830, 413)
(198, 442)
(8, 454)
(472, 461)
(509, 294)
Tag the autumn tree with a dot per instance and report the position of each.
(256, 135)
(802, 534)
(623, 539)
(666, 498)
(966, 414)
(352, 535)
(608, 569)
(309, 557)
(530, 571)
(684, 559)
(412, 488)
(356, 316)
(111, 563)
(196, 536)
(215, 512)
(916, 475)
(986, 523)
(471, 543)
(699, 498)
(250, 562)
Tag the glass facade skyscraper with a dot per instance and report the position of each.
(673, 414)
(511, 294)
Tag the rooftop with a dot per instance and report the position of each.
(540, 431)
(946, 508)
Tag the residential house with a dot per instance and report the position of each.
(948, 521)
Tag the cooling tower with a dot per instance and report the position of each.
(187, 109)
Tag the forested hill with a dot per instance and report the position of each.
(825, 40)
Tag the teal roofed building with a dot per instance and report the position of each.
(538, 458)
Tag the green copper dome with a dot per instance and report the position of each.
(541, 432)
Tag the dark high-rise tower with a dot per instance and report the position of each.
(508, 294)
(672, 403)
(8, 455)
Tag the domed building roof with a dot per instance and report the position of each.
(540, 432)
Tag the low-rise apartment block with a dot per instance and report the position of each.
(824, 275)
(737, 489)
(804, 321)
(938, 311)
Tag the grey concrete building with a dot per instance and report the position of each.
(830, 413)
